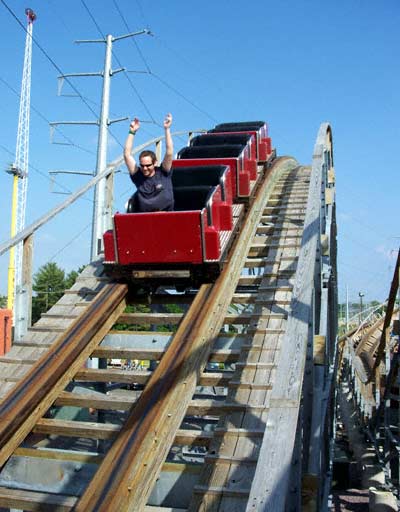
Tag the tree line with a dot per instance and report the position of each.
(48, 285)
(50, 282)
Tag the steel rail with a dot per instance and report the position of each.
(31, 397)
(126, 476)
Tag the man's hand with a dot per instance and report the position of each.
(168, 121)
(135, 125)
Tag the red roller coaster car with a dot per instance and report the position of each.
(191, 242)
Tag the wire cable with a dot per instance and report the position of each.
(142, 12)
(133, 40)
(186, 62)
(54, 64)
(119, 63)
(44, 175)
(74, 88)
(164, 82)
(70, 242)
(70, 141)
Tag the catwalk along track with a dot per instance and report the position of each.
(212, 421)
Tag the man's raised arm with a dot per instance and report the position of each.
(169, 145)
(129, 160)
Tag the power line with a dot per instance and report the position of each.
(376, 230)
(119, 63)
(133, 40)
(37, 112)
(164, 82)
(184, 97)
(44, 175)
(356, 242)
(74, 88)
(185, 61)
(71, 241)
(54, 64)
(141, 12)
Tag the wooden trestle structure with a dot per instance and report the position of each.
(369, 366)
(238, 412)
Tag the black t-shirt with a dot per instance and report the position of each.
(154, 193)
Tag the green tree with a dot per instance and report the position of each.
(49, 284)
(3, 301)
(70, 279)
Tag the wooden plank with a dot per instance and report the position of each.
(112, 375)
(84, 429)
(35, 501)
(198, 407)
(142, 376)
(93, 430)
(269, 486)
(27, 272)
(216, 355)
(54, 454)
(22, 355)
(33, 395)
(319, 349)
(172, 318)
(149, 508)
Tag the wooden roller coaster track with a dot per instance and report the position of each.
(221, 404)
(370, 373)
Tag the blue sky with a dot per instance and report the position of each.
(292, 63)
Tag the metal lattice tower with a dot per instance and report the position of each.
(19, 169)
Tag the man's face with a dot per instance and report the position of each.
(147, 166)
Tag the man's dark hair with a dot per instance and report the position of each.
(151, 154)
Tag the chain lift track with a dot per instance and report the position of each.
(226, 417)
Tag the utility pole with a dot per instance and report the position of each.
(102, 207)
(17, 298)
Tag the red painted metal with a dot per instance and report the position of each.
(109, 252)
(5, 330)
(169, 237)
(225, 216)
(244, 184)
(212, 248)
(237, 165)
(230, 180)
(158, 237)
(268, 142)
(260, 136)
(262, 151)
(252, 168)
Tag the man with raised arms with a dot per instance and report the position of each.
(154, 185)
